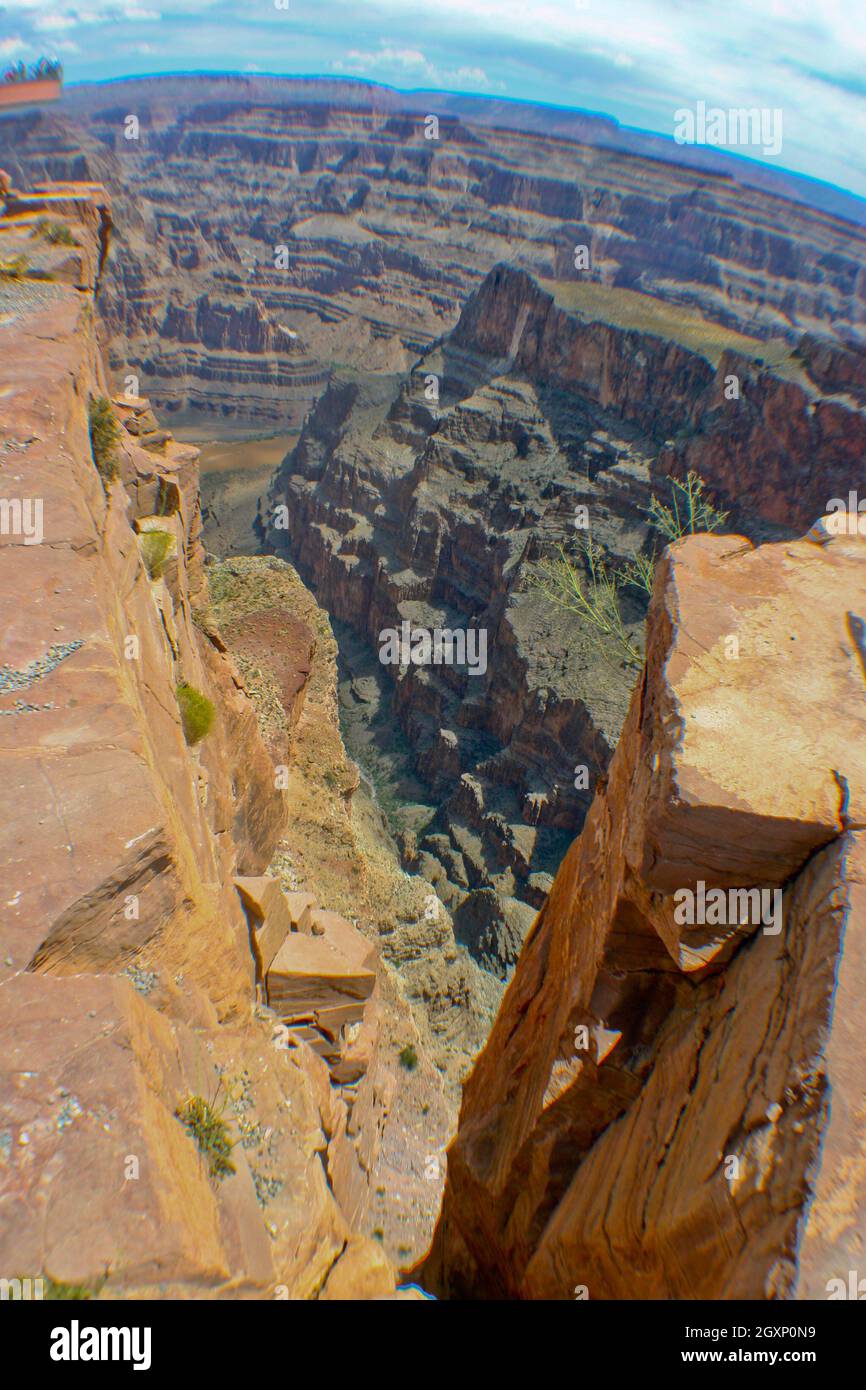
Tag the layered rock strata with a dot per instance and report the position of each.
(429, 500)
(384, 232)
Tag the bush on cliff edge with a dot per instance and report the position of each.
(156, 548)
(196, 712)
(104, 434)
(209, 1130)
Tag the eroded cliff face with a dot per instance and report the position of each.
(335, 853)
(429, 499)
(673, 1106)
(386, 233)
(132, 865)
(786, 435)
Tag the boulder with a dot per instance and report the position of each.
(361, 1272)
(268, 917)
(310, 973)
(671, 1103)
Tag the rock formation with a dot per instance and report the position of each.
(429, 499)
(416, 1031)
(385, 232)
(184, 1109)
(671, 1104)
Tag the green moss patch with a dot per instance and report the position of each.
(156, 551)
(104, 434)
(196, 712)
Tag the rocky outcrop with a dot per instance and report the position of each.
(797, 409)
(155, 1140)
(671, 1102)
(428, 501)
(384, 232)
(355, 957)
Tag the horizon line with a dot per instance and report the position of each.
(719, 152)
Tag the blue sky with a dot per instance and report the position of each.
(636, 60)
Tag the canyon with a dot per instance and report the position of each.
(161, 957)
(401, 509)
(299, 257)
(269, 231)
(372, 885)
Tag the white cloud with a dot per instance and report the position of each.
(405, 64)
(395, 57)
(477, 75)
(10, 48)
(412, 66)
(49, 23)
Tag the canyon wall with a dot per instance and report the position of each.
(432, 1006)
(786, 436)
(385, 233)
(671, 1105)
(227, 919)
(134, 983)
(429, 499)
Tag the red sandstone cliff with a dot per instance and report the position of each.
(131, 917)
(665, 1111)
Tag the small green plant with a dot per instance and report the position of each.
(66, 1293)
(640, 572)
(104, 434)
(690, 510)
(584, 584)
(156, 548)
(56, 232)
(210, 1132)
(196, 712)
(408, 1057)
(586, 587)
(14, 269)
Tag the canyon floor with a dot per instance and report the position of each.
(235, 476)
(361, 382)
